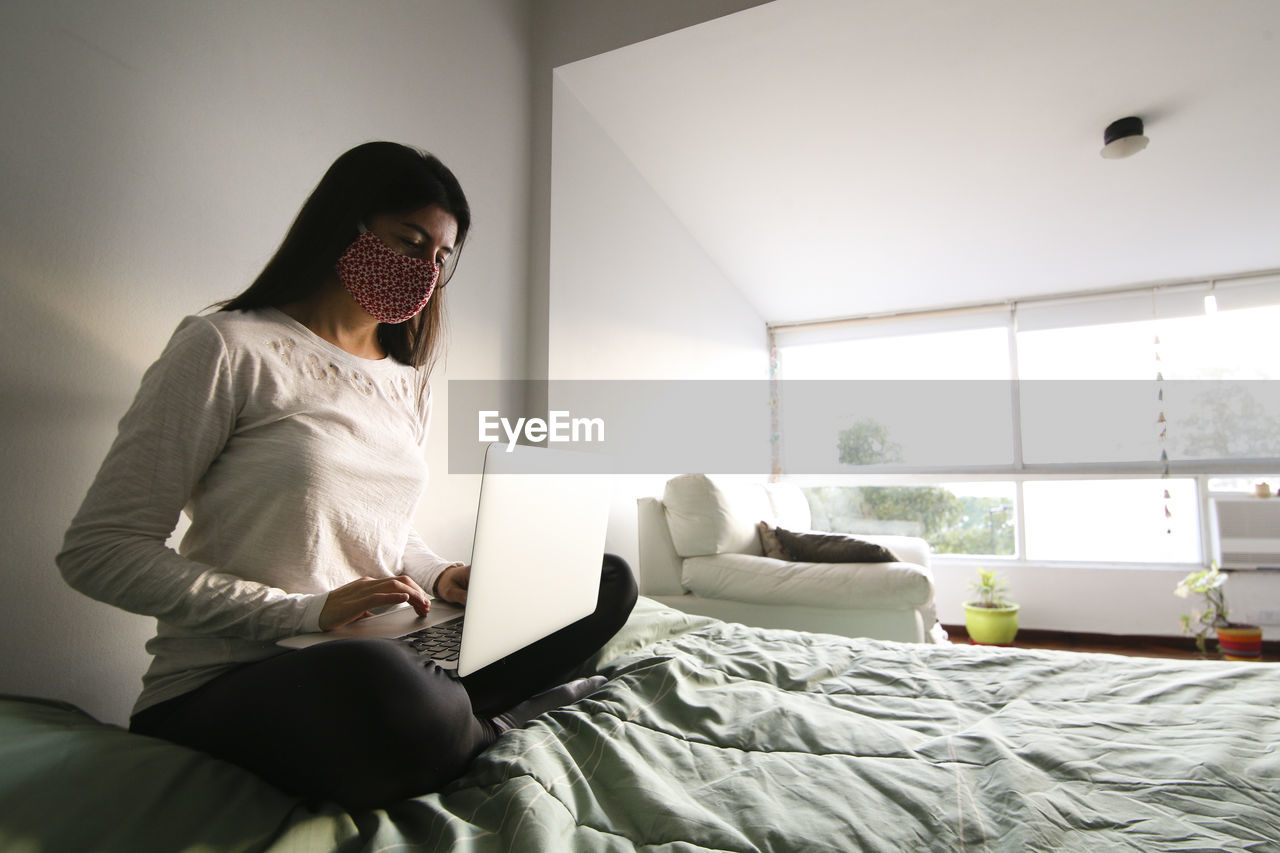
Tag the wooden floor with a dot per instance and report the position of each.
(1150, 647)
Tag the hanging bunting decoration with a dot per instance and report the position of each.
(775, 430)
(1161, 420)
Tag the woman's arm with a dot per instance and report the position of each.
(424, 565)
(442, 578)
(115, 550)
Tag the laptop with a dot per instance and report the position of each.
(535, 563)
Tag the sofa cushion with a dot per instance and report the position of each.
(790, 506)
(761, 580)
(709, 515)
(814, 547)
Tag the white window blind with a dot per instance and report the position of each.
(1124, 382)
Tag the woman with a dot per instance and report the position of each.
(290, 425)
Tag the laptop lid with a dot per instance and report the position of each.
(536, 556)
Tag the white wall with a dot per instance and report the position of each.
(566, 31)
(1136, 600)
(154, 154)
(632, 296)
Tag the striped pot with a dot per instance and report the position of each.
(1240, 642)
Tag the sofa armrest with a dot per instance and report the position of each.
(658, 572)
(908, 549)
(764, 580)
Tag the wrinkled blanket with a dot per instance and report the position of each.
(714, 736)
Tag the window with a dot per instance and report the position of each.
(1126, 521)
(955, 518)
(1088, 429)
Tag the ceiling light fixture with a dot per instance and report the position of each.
(1211, 300)
(1123, 138)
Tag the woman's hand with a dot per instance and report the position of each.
(357, 599)
(452, 584)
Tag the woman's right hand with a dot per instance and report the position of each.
(358, 599)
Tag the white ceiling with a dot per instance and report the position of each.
(854, 157)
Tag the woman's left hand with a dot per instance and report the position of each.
(452, 584)
(357, 599)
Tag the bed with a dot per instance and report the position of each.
(714, 736)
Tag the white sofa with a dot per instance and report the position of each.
(700, 551)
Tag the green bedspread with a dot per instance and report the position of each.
(713, 736)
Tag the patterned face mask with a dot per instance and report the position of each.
(390, 286)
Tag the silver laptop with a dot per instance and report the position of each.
(535, 563)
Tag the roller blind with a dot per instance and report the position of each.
(940, 423)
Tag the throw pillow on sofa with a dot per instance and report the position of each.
(769, 542)
(809, 547)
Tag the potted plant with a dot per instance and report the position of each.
(991, 619)
(1237, 641)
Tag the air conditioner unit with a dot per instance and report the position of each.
(1245, 532)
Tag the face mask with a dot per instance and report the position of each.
(390, 286)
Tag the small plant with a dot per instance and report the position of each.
(1209, 583)
(990, 618)
(990, 590)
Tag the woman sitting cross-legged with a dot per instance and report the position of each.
(291, 425)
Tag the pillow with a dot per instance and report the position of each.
(769, 542)
(712, 515)
(820, 547)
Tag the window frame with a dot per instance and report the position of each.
(1181, 299)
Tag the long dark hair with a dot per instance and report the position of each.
(370, 179)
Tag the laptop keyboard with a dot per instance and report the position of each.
(439, 642)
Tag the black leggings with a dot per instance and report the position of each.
(364, 722)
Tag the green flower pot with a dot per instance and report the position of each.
(991, 626)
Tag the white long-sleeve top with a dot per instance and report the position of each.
(299, 465)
